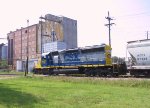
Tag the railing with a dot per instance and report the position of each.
(73, 62)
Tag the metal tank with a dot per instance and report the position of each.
(4, 52)
(140, 52)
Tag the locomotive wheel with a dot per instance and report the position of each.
(88, 72)
(94, 73)
(50, 72)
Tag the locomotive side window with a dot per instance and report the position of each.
(43, 60)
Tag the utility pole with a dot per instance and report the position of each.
(41, 37)
(26, 71)
(21, 49)
(147, 34)
(109, 25)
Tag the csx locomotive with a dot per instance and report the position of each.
(92, 61)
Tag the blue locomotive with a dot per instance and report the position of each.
(91, 61)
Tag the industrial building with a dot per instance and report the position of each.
(61, 30)
(51, 33)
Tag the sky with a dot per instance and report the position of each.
(131, 18)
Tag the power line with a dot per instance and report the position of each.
(134, 15)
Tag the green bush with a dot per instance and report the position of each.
(3, 64)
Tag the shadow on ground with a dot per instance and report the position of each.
(13, 98)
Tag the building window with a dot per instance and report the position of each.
(33, 30)
(32, 49)
(32, 56)
(26, 31)
(75, 24)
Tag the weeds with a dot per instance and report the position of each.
(102, 81)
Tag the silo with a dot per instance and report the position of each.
(70, 32)
(4, 52)
(58, 29)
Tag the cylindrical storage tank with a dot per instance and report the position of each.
(4, 52)
(19, 66)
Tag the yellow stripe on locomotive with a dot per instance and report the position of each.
(108, 55)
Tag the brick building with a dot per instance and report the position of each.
(17, 45)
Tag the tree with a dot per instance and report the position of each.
(3, 64)
(117, 60)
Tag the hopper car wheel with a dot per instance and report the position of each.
(134, 73)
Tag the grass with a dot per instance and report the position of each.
(67, 92)
(12, 72)
(7, 71)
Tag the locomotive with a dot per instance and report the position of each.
(91, 60)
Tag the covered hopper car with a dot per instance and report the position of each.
(140, 57)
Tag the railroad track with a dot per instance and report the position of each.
(120, 76)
